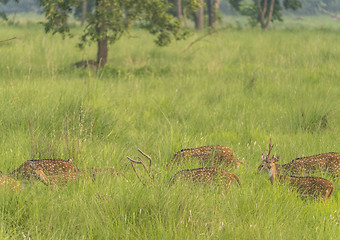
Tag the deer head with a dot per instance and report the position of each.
(266, 159)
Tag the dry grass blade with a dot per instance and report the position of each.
(8, 39)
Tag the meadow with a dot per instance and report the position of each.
(237, 88)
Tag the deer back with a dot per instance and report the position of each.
(310, 186)
(323, 163)
(205, 175)
(215, 154)
(50, 167)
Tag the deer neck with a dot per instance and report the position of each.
(273, 174)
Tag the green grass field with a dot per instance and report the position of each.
(236, 88)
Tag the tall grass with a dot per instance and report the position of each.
(236, 88)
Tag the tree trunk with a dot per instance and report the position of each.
(102, 50)
(179, 9)
(210, 13)
(216, 10)
(262, 13)
(83, 16)
(270, 14)
(200, 16)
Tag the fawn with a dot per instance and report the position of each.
(62, 178)
(9, 182)
(205, 175)
(305, 186)
(216, 154)
(321, 163)
(50, 167)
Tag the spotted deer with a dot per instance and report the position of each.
(50, 167)
(61, 178)
(305, 186)
(215, 154)
(8, 182)
(206, 175)
(321, 163)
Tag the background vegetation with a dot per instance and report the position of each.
(237, 88)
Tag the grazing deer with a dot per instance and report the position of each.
(50, 167)
(321, 163)
(61, 178)
(215, 154)
(305, 186)
(205, 175)
(10, 183)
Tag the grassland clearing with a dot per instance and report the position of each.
(236, 88)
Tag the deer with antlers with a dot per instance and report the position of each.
(305, 186)
(206, 175)
(216, 155)
(321, 163)
(50, 167)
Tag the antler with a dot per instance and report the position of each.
(270, 147)
(148, 171)
(148, 157)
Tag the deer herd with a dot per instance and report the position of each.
(298, 174)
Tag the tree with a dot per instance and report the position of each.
(179, 9)
(212, 7)
(264, 11)
(113, 18)
(84, 12)
(199, 23)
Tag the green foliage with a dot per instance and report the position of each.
(251, 9)
(111, 19)
(292, 4)
(57, 13)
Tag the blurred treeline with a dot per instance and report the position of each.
(309, 7)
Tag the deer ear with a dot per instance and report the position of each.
(263, 157)
(277, 159)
